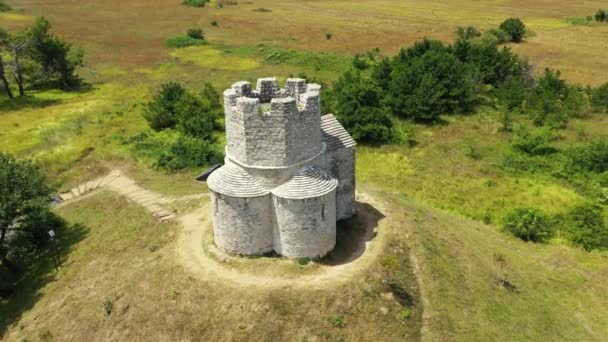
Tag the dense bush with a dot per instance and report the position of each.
(468, 32)
(585, 226)
(511, 94)
(535, 142)
(515, 28)
(4, 7)
(599, 97)
(195, 3)
(547, 101)
(189, 152)
(529, 224)
(25, 215)
(601, 16)
(592, 157)
(196, 33)
(433, 83)
(183, 41)
(358, 106)
(161, 112)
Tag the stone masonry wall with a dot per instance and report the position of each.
(305, 227)
(242, 225)
(341, 164)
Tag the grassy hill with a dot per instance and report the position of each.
(440, 268)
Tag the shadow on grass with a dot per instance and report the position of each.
(42, 272)
(31, 101)
(352, 235)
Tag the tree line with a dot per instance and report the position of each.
(35, 57)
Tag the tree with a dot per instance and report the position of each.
(196, 117)
(359, 108)
(56, 56)
(515, 28)
(545, 104)
(601, 15)
(381, 73)
(161, 112)
(431, 84)
(24, 205)
(4, 37)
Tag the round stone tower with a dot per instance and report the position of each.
(276, 190)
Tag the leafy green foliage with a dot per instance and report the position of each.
(183, 41)
(189, 152)
(162, 112)
(25, 215)
(56, 56)
(599, 97)
(193, 115)
(195, 3)
(196, 33)
(511, 94)
(4, 7)
(592, 157)
(601, 15)
(546, 101)
(358, 106)
(534, 142)
(466, 33)
(515, 28)
(585, 226)
(436, 82)
(328, 36)
(529, 224)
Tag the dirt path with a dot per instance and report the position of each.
(196, 224)
(191, 253)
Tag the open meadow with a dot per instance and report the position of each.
(421, 261)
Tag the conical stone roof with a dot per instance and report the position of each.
(307, 183)
(232, 180)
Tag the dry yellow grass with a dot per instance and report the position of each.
(132, 33)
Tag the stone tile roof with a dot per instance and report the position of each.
(232, 180)
(334, 135)
(309, 182)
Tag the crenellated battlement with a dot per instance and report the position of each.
(279, 134)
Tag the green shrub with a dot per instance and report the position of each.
(467, 33)
(592, 157)
(546, 102)
(511, 94)
(196, 118)
(529, 224)
(515, 28)
(599, 97)
(328, 36)
(533, 142)
(337, 321)
(495, 36)
(580, 20)
(215, 23)
(422, 88)
(195, 3)
(183, 41)
(196, 33)
(601, 15)
(189, 152)
(358, 106)
(161, 112)
(585, 226)
(4, 7)
(405, 314)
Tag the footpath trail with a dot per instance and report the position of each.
(122, 184)
(211, 265)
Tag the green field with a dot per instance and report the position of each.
(443, 199)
